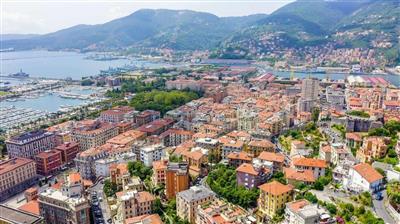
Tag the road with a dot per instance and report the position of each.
(98, 188)
(381, 211)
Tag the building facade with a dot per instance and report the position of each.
(29, 144)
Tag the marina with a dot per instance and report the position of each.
(12, 117)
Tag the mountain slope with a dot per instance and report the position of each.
(180, 29)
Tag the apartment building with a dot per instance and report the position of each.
(48, 162)
(16, 175)
(236, 159)
(134, 203)
(255, 147)
(176, 178)
(156, 127)
(85, 162)
(29, 144)
(65, 206)
(144, 219)
(310, 88)
(127, 139)
(151, 153)
(176, 137)
(318, 166)
(277, 159)
(363, 177)
(117, 114)
(119, 174)
(187, 201)
(159, 170)
(250, 176)
(247, 120)
(273, 197)
(146, 117)
(92, 133)
(229, 146)
(294, 176)
(301, 212)
(68, 150)
(373, 148)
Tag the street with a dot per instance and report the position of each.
(381, 211)
(100, 210)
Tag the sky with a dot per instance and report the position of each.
(45, 16)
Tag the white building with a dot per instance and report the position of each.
(149, 154)
(363, 177)
(102, 166)
(301, 212)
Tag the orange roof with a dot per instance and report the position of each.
(145, 196)
(276, 188)
(74, 177)
(31, 207)
(196, 155)
(87, 183)
(247, 168)
(297, 205)
(301, 175)
(262, 143)
(309, 162)
(271, 156)
(153, 219)
(354, 135)
(160, 165)
(31, 190)
(368, 172)
(239, 155)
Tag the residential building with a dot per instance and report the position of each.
(255, 147)
(176, 178)
(29, 144)
(373, 147)
(197, 159)
(151, 153)
(317, 166)
(48, 162)
(144, 219)
(66, 206)
(156, 127)
(16, 175)
(247, 120)
(85, 162)
(102, 166)
(134, 203)
(117, 114)
(187, 201)
(146, 117)
(68, 150)
(219, 211)
(127, 139)
(310, 88)
(177, 136)
(119, 174)
(273, 197)
(159, 169)
(229, 146)
(236, 159)
(363, 177)
(353, 140)
(92, 133)
(277, 159)
(250, 176)
(294, 176)
(301, 212)
(298, 149)
(10, 215)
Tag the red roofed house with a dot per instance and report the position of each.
(318, 166)
(277, 159)
(363, 177)
(236, 159)
(250, 176)
(294, 176)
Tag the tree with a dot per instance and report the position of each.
(315, 114)
(157, 207)
(310, 197)
(138, 169)
(109, 188)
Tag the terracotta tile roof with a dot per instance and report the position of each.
(326, 148)
(271, 156)
(196, 155)
(276, 188)
(303, 175)
(309, 162)
(74, 177)
(31, 207)
(368, 172)
(31, 190)
(160, 165)
(354, 135)
(297, 205)
(262, 143)
(239, 155)
(144, 219)
(145, 196)
(247, 168)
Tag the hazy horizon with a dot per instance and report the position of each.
(46, 16)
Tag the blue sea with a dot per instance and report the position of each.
(59, 64)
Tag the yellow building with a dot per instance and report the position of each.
(273, 196)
